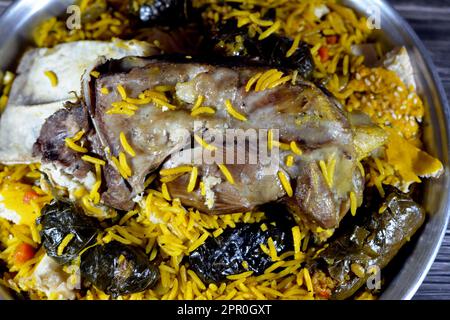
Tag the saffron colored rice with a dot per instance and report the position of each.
(159, 224)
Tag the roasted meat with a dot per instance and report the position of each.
(64, 167)
(33, 98)
(51, 146)
(254, 184)
(162, 92)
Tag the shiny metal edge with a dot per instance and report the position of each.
(437, 225)
(407, 281)
(416, 266)
(21, 13)
(17, 21)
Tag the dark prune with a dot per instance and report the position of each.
(118, 269)
(224, 255)
(160, 12)
(114, 268)
(274, 50)
(59, 219)
(230, 41)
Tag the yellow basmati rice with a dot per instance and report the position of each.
(204, 144)
(202, 110)
(232, 112)
(93, 160)
(192, 180)
(285, 183)
(226, 173)
(52, 77)
(183, 228)
(64, 243)
(126, 146)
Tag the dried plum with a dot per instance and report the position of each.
(160, 12)
(118, 269)
(229, 41)
(114, 268)
(222, 256)
(59, 219)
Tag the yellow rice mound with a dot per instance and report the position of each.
(167, 230)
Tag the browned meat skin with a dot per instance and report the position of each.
(318, 205)
(51, 144)
(311, 186)
(153, 134)
(254, 184)
(300, 112)
(117, 194)
(184, 40)
(57, 158)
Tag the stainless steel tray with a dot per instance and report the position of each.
(15, 30)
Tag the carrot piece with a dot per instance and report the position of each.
(323, 54)
(29, 195)
(24, 252)
(324, 294)
(332, 39)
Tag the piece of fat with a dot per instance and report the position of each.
(399, 62)
(50, 278)
(19, 129)
(321, 11)
(69, 62)
(33, 99)
(367, 50)
(60, 178)
(8, 214)
(209, 182)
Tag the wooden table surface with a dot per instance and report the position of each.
(431, 20)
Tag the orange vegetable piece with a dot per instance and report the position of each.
(323, 54)
(24, 252)
(29, 195)
(332, 39)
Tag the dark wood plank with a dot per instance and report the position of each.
(431, 20)
(3, 5)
